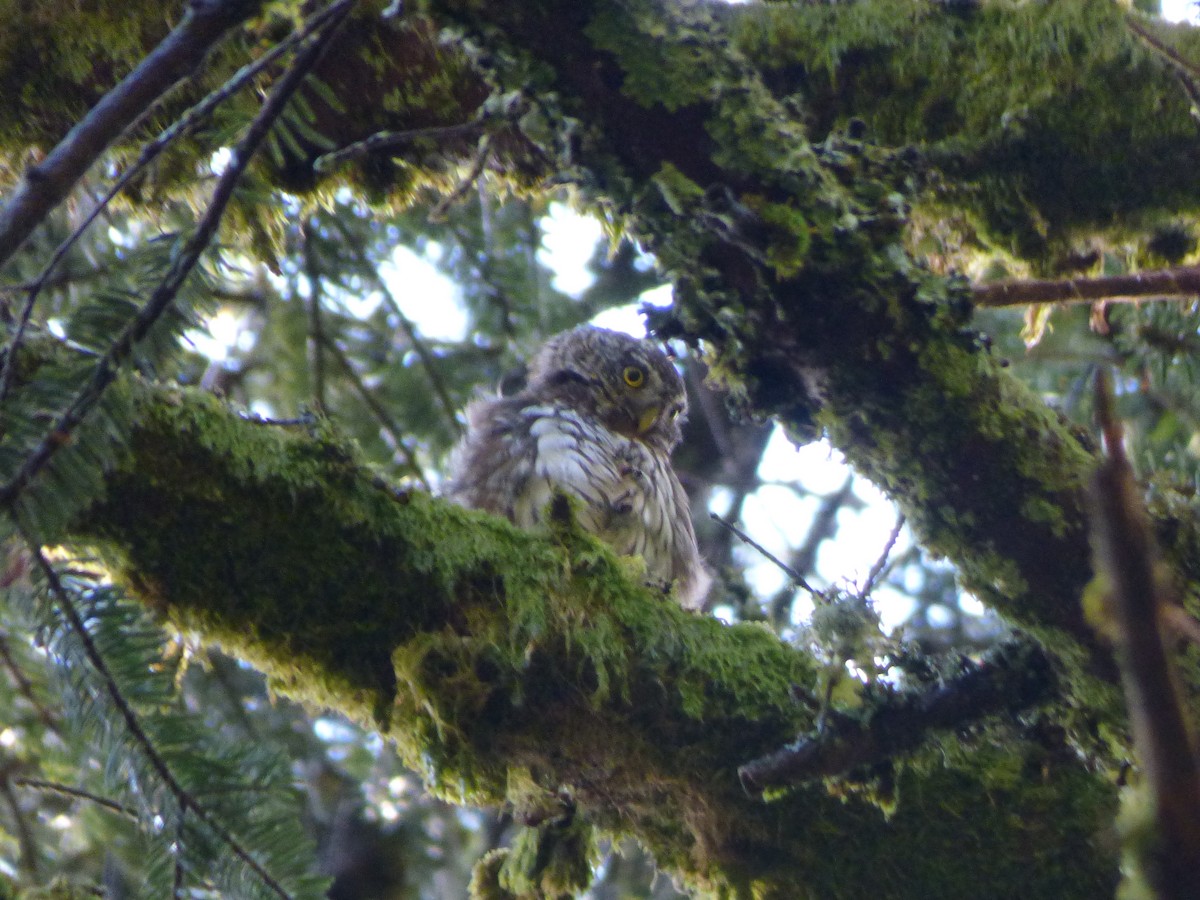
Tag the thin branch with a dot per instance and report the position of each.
(386, 140)
(61, 279)
(822, 528)
(316, 325)
(1012, 677)
(382, 416)
(424, 354)
(182, 264)
(1125, 555)
(185, 125)
(180, 53)
(1157, 283)
(28, 846)
(24, 685)
(482, 155)
(183, 798)
(53, 787)
(791, 573)
(881, 562)
(1164, 50)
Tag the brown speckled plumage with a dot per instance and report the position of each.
(598, 419)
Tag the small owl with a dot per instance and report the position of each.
(597, 420)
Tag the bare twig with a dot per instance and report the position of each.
(106, 369)
(187, 123)
(822, 528)
(386, 140)
(1125, 555)
(53, 787)
(316, 325)
(791, 573)
(184, 799)
(881, 563)
(368, 270)
(1157, 283)
(180, 53)
(382, 416)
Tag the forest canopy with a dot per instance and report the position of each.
(929, 270)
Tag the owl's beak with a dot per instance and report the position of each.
(647, 420)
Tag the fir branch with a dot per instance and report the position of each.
(180, 53)
(25, 842)
(24, 685)
(1157, 283)
(107, 368)
(184, 799)
(1187, 71)
(185, 125)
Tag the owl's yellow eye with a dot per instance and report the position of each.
(634, 376)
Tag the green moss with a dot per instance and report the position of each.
(655, 72)
(529, 668)
(1019, 103)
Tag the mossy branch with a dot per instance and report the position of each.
(529, 667)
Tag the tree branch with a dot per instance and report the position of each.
(495, 658)
(107, 367)
(1010, 679)
(1166, 283)
(46, 184)
(1126, 557)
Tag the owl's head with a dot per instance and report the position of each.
(629, 385)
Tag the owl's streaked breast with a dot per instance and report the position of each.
(529, 454)
(552, 437)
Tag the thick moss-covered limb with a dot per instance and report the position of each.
(1042, 116)
(534, 668)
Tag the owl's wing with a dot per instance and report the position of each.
(517, 455)
(580, 457)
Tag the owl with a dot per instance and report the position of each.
(598, 418)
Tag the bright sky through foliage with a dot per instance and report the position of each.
(1179, 10)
